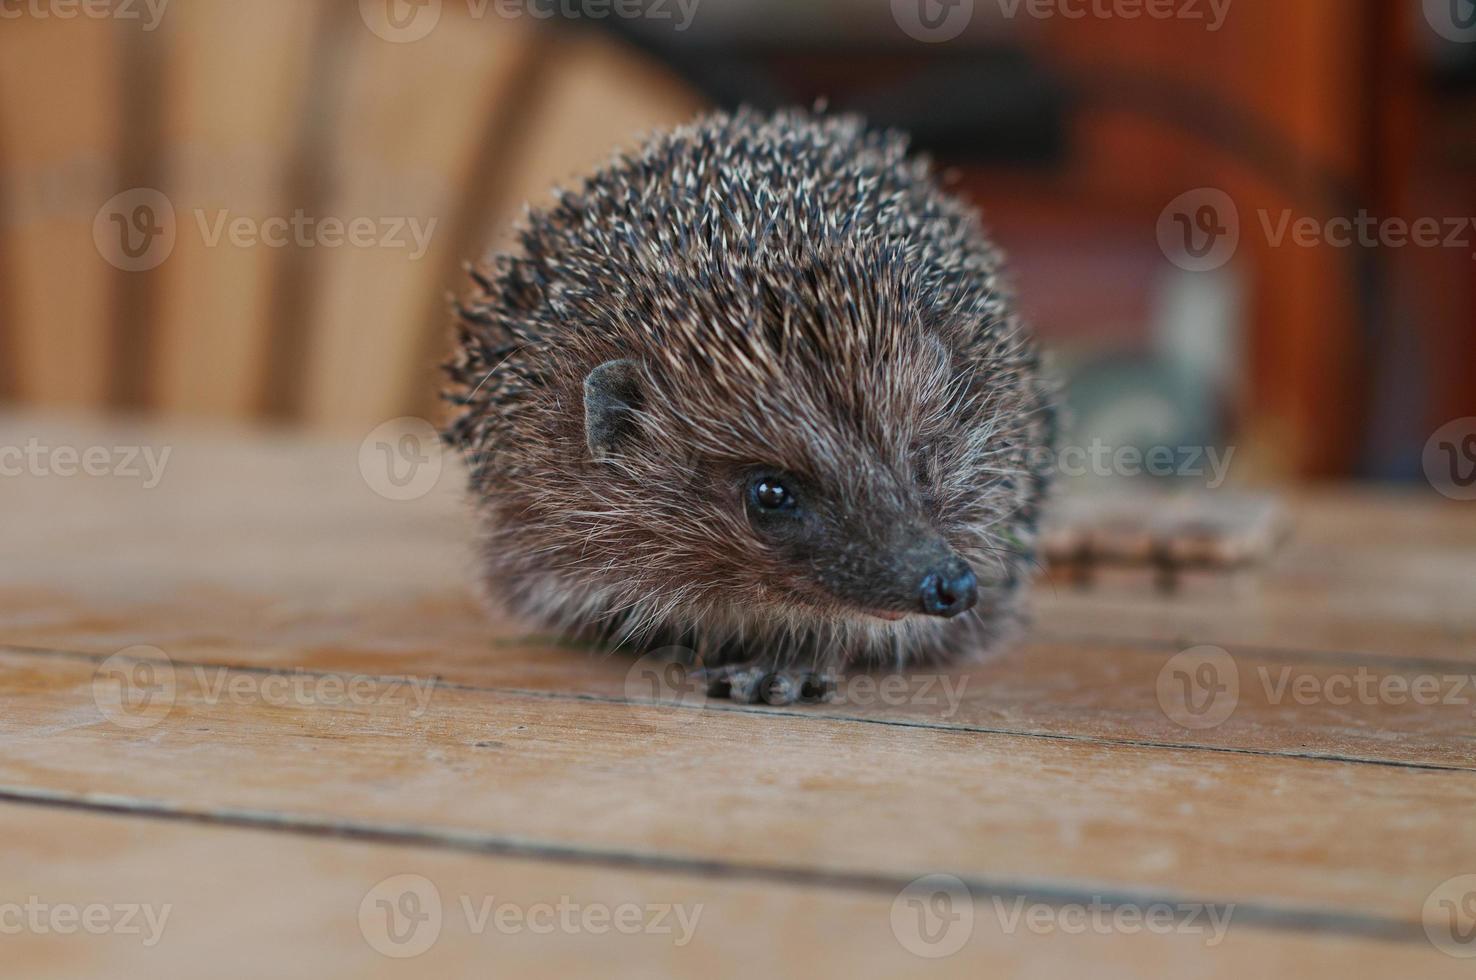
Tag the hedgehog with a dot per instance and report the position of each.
(757, 391)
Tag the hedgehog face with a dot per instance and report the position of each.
(873, 570)
(819, 520)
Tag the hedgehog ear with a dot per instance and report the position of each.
(612, 396)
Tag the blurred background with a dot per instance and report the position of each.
(1237, 223)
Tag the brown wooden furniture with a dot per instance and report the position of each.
(242, 599)
(258, 113)
(259, 110)
(1298, 108)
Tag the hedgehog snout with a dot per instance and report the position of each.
(949, 590)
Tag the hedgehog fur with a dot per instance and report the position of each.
(746, 303)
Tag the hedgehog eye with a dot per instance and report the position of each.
(770, 494)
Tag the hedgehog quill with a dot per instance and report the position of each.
(757, 390)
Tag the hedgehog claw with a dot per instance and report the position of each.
(751, 684)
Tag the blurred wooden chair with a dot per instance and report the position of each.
(128, 155)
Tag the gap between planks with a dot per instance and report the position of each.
(1260, 915)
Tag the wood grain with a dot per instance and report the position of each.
(306, 892)
(403, 147)
(1365, 571)
(333, 707)
(1369, 710)
(237, 77)
(616, 95)
(59, 79)
(1363, 844)
(326, 575)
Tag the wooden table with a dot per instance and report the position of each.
(259, 698)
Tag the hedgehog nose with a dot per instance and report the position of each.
(949, 590)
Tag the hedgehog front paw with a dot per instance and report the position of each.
(750, 683)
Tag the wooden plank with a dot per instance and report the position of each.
(1401, 587)
(8, 341)
(211, 570)
(59, 78)
(306, 893)
(591, 95)
(404, 145)
(323, 572)
(1357, 848)
(616, 95)
(238, 76)
(1382, 711)
(143, 96)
